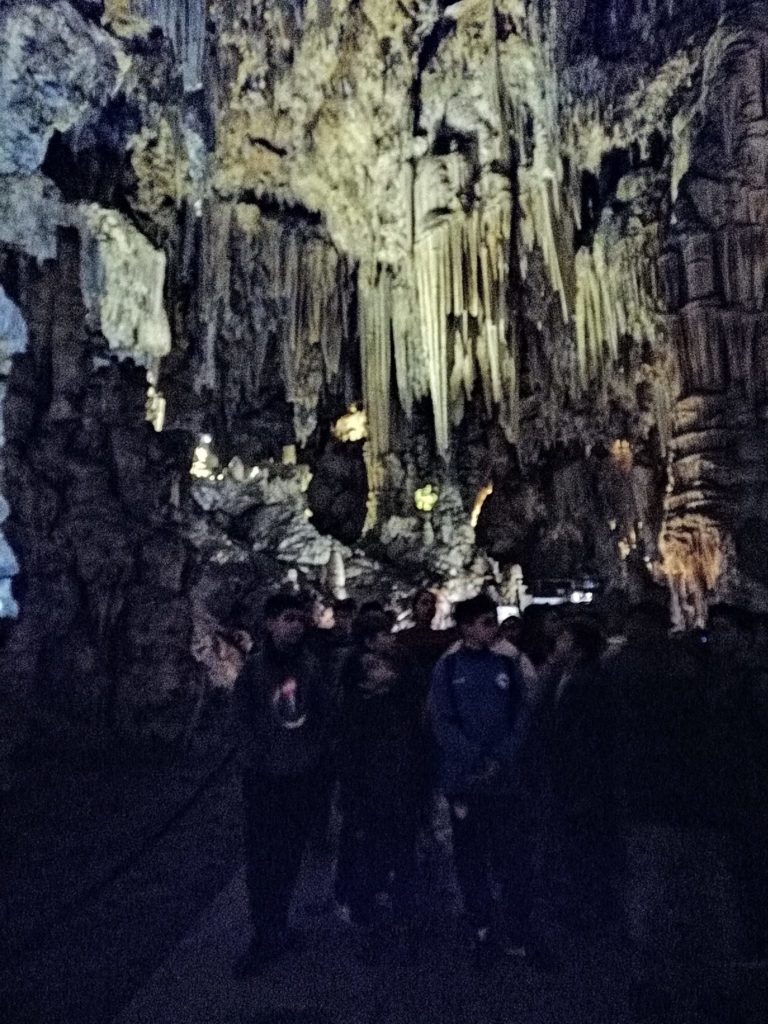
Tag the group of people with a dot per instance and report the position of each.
(545, 747)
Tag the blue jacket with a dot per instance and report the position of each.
(478, 717)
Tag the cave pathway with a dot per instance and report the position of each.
(431, 980)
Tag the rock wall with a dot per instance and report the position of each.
(715, 280)
(103, 639)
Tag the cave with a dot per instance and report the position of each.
(354, 298)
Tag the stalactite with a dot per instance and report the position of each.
(694, 558)
(429, 259)
(183, 22)
(293, 287)
(461, 269)
(375, 307)
(616, 296)
(410, 365)
(216, 284)
(541, 227)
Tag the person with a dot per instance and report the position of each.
(753, 833)
(286, 720)
(579, 766)
(332, 647)
(343, 620)
(480, 722)
(538, 630)
(511, 630)
(379, 761)
(422, 645)
(740, 668)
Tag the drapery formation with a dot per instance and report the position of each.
(462, 277)
(287, 285)
(616, 297)
(445, 316)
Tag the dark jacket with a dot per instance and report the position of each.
(675, 750)
(578, 736)
(381, 758)
(479, 719)
(285, 712)
(422, 647)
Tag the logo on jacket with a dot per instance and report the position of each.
(502, 681)
(287, 705)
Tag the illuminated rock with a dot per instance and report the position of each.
(123, 279)
(55, 69)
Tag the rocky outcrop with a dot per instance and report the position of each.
(55, 69)
(13, 342)
(103, 639)
(714, 269)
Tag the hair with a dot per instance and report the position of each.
(587, 636)
(423, 592)
(467, 612)
(511, 628)
(371, 606)
(370, 624)
(276, 604)
(347, 604)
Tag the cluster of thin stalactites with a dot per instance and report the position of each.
(184, 24)
(440, 326)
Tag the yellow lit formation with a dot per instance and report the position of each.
(426, 498)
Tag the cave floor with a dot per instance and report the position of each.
(429, 979)
(156, 944)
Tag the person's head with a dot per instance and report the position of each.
(580, 642)
(424, 607)
(371, 606)
(344, 615)
(285, 620)
(373, 632)
(477, 621)
(511, 629)
(322, 615)
(538, 630)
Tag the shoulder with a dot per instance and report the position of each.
(450, 658)
(445, 666)
(506, 657)
(452, 653)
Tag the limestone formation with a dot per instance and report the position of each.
(55, 67)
